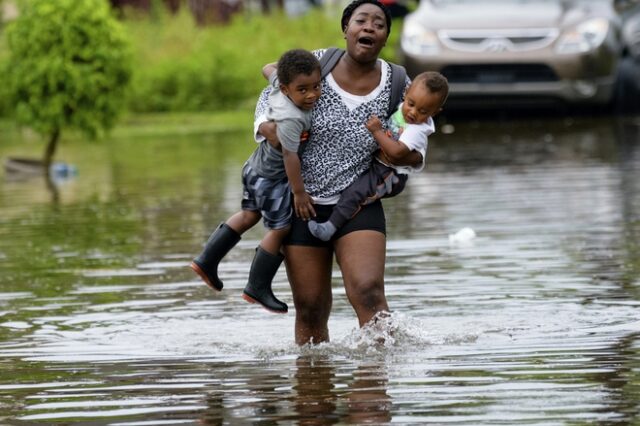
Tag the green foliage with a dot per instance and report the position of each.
(182, 67)
(4, 69)
(69, 66)
(179, 66)
(4, 66)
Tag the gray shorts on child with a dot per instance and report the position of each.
(271, 197)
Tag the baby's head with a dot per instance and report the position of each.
(425, 97)
(299, 77)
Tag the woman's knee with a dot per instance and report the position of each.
(312, 312)
(368, 291)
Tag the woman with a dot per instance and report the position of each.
(339, 150)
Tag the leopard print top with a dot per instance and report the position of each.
(340, 148)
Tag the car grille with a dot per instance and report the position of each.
(520, 40)
(499, 73)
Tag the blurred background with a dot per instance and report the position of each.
(124, 125)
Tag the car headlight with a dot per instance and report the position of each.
(417, 40)
(584, 37)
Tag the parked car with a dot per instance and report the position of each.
(527, 50)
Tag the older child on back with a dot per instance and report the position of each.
(270, 176)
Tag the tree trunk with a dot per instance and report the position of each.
(208, 12)
(51, 150)
(267, 5)
(136, 4)
(173, 5)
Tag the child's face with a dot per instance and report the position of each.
(304, 90)
(420, 104)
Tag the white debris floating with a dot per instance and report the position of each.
(462, 237)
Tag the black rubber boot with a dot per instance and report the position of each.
(206, 265)
(258, 289)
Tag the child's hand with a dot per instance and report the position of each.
(303, 206)
(374, 124)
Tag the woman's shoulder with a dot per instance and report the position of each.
(396, 69)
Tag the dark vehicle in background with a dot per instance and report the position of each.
(580, 52)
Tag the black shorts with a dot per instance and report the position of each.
(370, 217)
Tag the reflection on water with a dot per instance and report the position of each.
(533, 321)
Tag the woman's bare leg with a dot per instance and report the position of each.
(361, 256)
(309, 272)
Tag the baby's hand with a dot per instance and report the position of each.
(374, 124)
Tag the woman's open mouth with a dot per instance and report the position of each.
(366, 41)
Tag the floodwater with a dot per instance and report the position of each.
(535, 321)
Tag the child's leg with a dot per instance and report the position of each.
(244, 220)
(362, 191)
(393, 185)
(276, 213)
(221, 241)
(272, 241)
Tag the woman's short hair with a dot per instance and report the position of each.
(348, 11)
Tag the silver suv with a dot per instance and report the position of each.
(529, 50)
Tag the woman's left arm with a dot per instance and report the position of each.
(412, 159)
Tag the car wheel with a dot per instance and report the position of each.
(627, 97)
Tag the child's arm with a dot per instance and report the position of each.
(396, 152)
(302, 202)
(269, 69)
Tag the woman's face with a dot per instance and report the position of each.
(366, 33)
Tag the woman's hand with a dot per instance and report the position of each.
(268, 130)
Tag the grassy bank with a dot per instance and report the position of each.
(182, 67)
(179, 66)
(142, 125)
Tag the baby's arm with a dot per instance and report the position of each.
(302, 202)
(393, 150)
(269, 69)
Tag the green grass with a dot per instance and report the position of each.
(181, 67)
(179, 123)
(152, 124)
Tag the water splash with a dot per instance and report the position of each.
(390, 333)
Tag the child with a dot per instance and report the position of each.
(269, 178)
(408, 129)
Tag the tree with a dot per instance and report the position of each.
(69, 67)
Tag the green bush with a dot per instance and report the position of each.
(4, 94)
(193, 83)
(182, 67)
(4, 70)
(69, 67)
(179, 66)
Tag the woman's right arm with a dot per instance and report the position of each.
(263, 128)
(267, 129)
